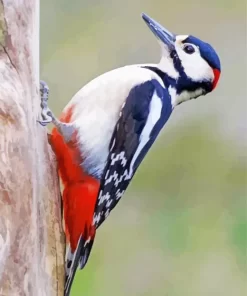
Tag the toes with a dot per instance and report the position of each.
(46, 113)
(44, 91)
(44, 86)
(43, 123)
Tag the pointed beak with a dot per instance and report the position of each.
(160, 32)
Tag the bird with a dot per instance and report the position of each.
(110, 124)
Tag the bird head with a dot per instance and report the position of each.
(192, 66)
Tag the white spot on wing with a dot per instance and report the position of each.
(115, 176)
(111, 177)
(109, 203)
(113, 144)
(102, 198)
(119, 194)
(117, 157)
(96, 218)
(107, 213)
(122, 177)
(107, 173)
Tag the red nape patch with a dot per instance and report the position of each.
(216, 77)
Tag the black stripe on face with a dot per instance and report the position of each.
(184, 83)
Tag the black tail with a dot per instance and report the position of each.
(77, 259)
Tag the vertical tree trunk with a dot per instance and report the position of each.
(31, 239)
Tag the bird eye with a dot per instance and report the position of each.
(189, 49)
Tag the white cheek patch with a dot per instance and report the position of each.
(195, 67)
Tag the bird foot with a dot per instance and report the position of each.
(46, 113)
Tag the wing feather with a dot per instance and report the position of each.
(146, 110)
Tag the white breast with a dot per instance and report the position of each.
(97, 108)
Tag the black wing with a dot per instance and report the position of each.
(126, 153)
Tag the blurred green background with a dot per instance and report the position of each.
(181, 228)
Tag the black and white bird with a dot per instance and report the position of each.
(108, 127)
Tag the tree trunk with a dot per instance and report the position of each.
(31, 237)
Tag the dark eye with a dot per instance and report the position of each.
(189, 49)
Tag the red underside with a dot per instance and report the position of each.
(80, 190)
(216, 77)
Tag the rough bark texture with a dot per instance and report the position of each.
(31, 239)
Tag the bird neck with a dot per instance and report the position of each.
(171, 85)
(180, 87)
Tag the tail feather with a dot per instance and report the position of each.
(84, 258)
(75, 260)
(79, 199)
(72, 262)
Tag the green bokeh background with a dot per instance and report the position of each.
(181, 228)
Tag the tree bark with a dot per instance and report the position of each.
(31, 236)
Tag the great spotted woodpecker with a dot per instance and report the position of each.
(108, 127)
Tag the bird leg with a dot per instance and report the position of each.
(46, 113)
(65, 129)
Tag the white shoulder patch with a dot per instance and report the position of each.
(153, 117)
